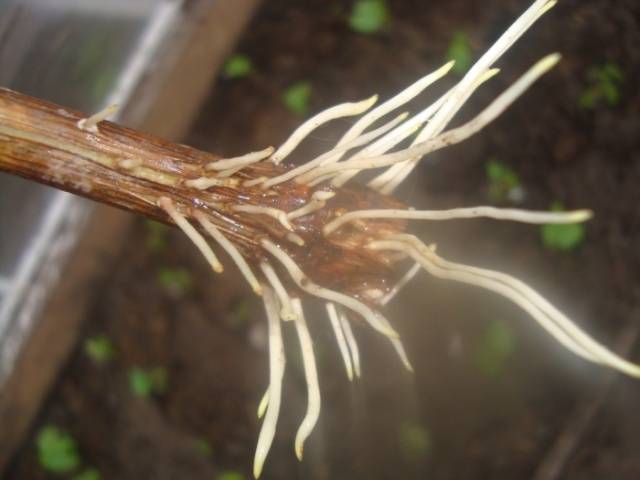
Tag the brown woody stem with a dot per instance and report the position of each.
(119, 166)
(133, 170)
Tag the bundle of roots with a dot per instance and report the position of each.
(303, 231)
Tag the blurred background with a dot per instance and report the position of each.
(123, 357)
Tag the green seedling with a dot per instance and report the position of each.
(504, 185)
(156, 235)
(99, 349)
(204, 448)
(562, 237)
(230, 476)
(238, 66)
(460, 52)
(368, 16)
(88, 474)
(415, 441)
(57, 450)
(175, 280)
(604, 86)
(146, 382)
(296, 97)
(496, 345)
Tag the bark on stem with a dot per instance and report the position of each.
(119, 166)
(132, 170)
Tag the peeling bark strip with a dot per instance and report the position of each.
(132, 170)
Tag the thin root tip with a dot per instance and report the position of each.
(257, 289)
(299, 450)
(579, 216)
(548, 62)
(447, 66)
(585, 215)
(371, 100)
(257, 469)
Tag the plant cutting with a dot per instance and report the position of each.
(303, 231)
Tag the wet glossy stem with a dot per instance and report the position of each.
(118, 166)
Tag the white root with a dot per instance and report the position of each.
(393, 103)
(544, 321)
(231, 249)
(279, 215)
(338, 111)
(399, 348)
(241, 161)
(287, 312)
(255, 181)
(318, 201)
(380, 146)
(311, 375)
(404, 131)
(351, 341)
(295, 239)
(198, 240)
(551, 319)
(406, 278)
(276, 372)
(382, 181)
(340, 338)
(513, 214)
(463, 89)
(450, 137)
(91, 124)
(373, 318)
(334, 153)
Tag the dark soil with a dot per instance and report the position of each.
(452, 419)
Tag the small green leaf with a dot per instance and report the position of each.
(175, 280)
(604, 84)
(496, 345)
(611, 93)
(297, 96)
(368, 16)
(99, 349)
(88, 474)
(230, 476)
(460, 51)
(589, 99)
(613, 72)
(156, 235)
(57, 450)
(562, 237)
(204, 447)
(146, 382)
(415, 441)
(238, 66)
(504, 183)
